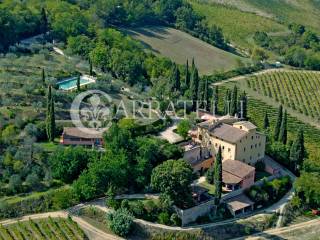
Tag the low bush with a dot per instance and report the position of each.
(120, 221)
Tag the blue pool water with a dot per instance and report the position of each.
(71, 83)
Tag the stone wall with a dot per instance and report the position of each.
(191, 214)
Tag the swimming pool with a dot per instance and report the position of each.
(71, 83)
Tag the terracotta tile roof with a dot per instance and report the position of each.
(246, 124)
(237, 168)
(77, 133)
(239, 202)
(229, 178)
(227, 133)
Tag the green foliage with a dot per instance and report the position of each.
(173, 178)
(67, 163)
(120, 222)
(183, 128)
(307, 187)
(270, 192)
(164, 218)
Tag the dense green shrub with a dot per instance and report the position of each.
(120, 221)
(269, 192)
(164, 218)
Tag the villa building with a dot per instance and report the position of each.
(74, 136)
(239, 140)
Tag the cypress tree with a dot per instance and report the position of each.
(243, 106)
(283, 135)
(227, 103)
(298, 152)
(50, 116)
(187, 76)
(174, 78)
(278, 124)
(266, 122)
(43, 21)
(194, 85)
(78, 82)
(234, 101)
(218, 174)
(177, 84)
(52, 119)
(207, 94)
(215, 100)
(90, 68)
(43, 77)
(201, 92)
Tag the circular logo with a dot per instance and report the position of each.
(90, 111)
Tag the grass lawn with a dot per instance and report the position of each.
(210, 187)
(170, 42)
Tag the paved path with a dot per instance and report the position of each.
(170, 135)
(245, 76)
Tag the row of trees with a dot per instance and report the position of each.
(292, 153)
(234, 104)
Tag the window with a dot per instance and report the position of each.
(252, 137)
(229, 149)
(260, 144)
(216, 144)
(240, 141)
(240, 127)
(255, 145)
(251, 146)
(244, 149)
(223, 147)
(250, 157)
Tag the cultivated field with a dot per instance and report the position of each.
(237, 26)
(50, 228)
(180, 46)
(298, 90)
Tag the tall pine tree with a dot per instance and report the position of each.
(283, 135)
(187, 76)
(243, 106)
(227, 101)
(266, 122)
(43, 77)
(90, 68)
(78, 82)
(50, 116)
(43, 21)
(298, 152)
(194, 85)
(278, 124)
(234, 101)
(218, 175)
(215, 100)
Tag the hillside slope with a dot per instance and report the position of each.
(180, 46)
(238, 26)
(305, 12)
